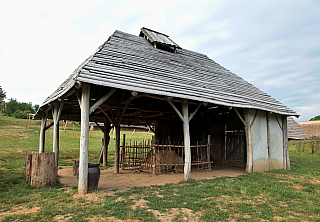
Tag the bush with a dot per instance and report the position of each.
(21, 114)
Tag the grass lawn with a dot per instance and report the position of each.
(278, 195)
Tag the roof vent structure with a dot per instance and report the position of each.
(159, 40)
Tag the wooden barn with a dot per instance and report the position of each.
(185, 96)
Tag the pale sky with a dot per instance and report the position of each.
(275, 45)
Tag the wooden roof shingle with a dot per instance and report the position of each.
(130, 62)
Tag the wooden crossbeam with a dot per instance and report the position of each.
(102, 100)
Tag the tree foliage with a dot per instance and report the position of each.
(2, 94)
(19, 109)
(315, 118)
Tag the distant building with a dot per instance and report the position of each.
(312, 128)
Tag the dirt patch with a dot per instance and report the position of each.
(111, 182)
(182, 214)
(142, 203)
(20, 210)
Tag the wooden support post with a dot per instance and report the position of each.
(117, 145)
(84, 140)
(106, 140)
(268, 140)
(123, 150)
(42, 133)
(56, 132)
(286, 158)
(247, 128)
(209, 152)
(186, 133)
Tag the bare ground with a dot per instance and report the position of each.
(110, 181)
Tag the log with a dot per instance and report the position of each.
(28, 165)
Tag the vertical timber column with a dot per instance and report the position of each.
(268, 139)
(249, 167)
(106, 138)
(286, 158)
(56, 132)
(186, 135)
(117, 146)
(42, 138)
(84, 140)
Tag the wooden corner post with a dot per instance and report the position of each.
(186, 136)
(84, 140)
(286, 158)
(247, 128)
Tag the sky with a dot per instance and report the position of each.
(274, 44)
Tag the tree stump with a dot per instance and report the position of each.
(40, 169)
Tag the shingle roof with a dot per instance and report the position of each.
(295, 131)
(130, 62)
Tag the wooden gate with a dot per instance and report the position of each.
(235, 143)
(166, 157)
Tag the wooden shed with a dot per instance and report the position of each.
(188, 97)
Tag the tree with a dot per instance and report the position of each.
(315, 118)
(2, 95)
(11, 107)
(19, 110)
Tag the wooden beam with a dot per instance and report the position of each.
(84, 140)
(186, 136)
(78, 94)
(175, 109)
(109, 118)
(42, 139)
(238, 114)
(194, 112)
(49, 126)
(102, 100)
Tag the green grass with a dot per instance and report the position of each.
(278, 195)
